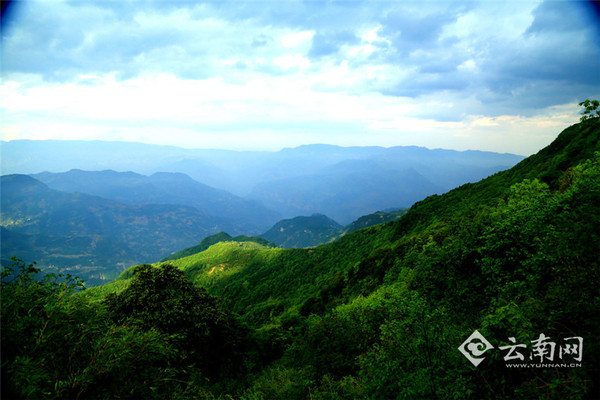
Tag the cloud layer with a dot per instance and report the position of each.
(501, 76)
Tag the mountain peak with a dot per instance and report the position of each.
(303, 231)
(21, 181)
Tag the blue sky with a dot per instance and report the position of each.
(503, 76)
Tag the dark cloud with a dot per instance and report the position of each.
(420, 84)
(553, 16)
(327, 43)
(555, 62)
(420, 27)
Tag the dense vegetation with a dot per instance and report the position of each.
(379, 313)
(303, 231)
(87, 235)
(214, 239)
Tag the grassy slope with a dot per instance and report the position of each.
(210, 240)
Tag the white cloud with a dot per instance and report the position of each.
(275, 75)
(297, 39)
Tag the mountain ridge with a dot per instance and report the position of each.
(88, 233)
(303, 231)
(163, 188)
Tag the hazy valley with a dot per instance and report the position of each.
(97, 223)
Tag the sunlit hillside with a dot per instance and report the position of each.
(392, 310)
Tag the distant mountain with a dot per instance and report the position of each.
(346, 191)
(164, 188)
(92, 216)
(296, 232)
(96, 236)
(378, 217)
(294, 181)
(303, 231)
(319, 229)
(214, 239)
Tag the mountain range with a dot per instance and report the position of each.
(164, 188)
(100, 222)
(392, 310)
(343, 183)
(395, 309)
(90, 234)
(97, 237)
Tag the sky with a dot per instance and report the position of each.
(502, 76)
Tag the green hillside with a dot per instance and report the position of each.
(379, 313)
(89, 236)
(210, 240)
(303, 231)
(375, 218)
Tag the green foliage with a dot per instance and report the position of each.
(163, 298)
(300, 232)
(214, 239)
(56, 345)
(378, 313)
(590, 110)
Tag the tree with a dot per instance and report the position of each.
(591, 109)
(206, 335)
(56, 344)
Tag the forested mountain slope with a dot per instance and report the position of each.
(303, 231)
(375, 218)
(382, 312)
(504, 255)
(164, 188)
(90, 236)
